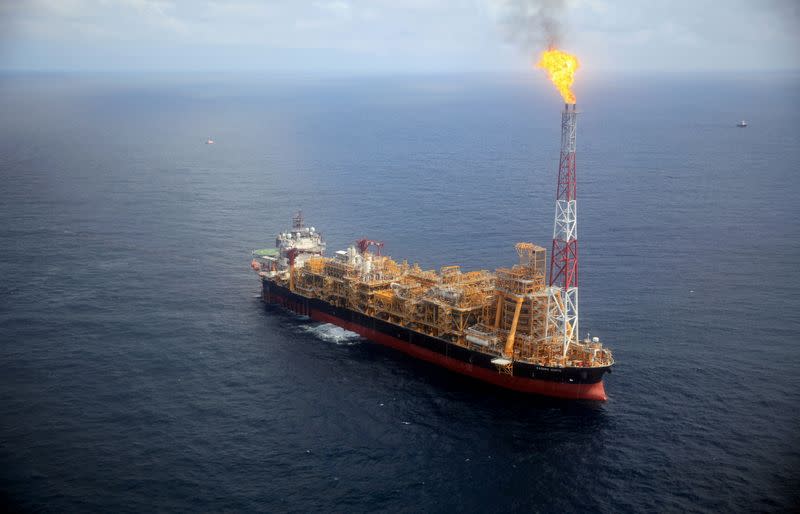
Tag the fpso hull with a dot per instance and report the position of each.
(567, 383)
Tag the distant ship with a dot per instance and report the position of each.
(209, 141)
(742, 124)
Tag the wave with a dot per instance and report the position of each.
(333, 334)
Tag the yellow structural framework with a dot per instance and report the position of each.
(502, 313)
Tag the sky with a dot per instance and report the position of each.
(397, 35)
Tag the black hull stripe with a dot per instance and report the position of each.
(276, 293)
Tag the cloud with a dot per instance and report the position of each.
(435, 34)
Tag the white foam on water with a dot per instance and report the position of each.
(333, 334)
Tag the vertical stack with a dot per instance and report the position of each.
(563, 291)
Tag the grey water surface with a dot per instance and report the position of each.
(140, 372)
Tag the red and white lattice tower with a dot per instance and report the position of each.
(563, 291)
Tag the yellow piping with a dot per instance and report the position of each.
(509, 349)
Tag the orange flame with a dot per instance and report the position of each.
(560, 67)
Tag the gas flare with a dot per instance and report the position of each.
(560, 67)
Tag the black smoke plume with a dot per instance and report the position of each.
(533, 24)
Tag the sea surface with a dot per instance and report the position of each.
(139, 371)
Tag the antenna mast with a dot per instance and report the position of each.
(563, 290)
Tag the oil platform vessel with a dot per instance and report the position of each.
(513, 327)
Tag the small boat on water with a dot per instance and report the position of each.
(742, 124)
(209, 141)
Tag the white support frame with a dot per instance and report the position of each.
(565, 226)
(562, 313)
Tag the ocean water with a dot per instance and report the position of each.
(140, 371)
